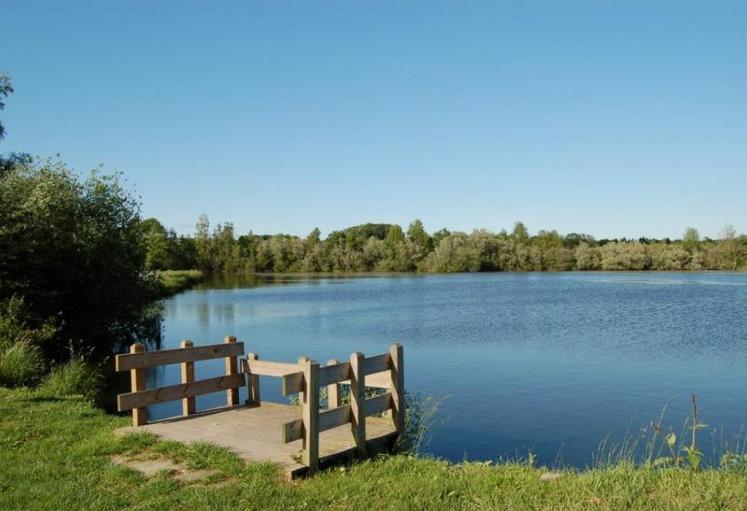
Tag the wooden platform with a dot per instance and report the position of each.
(254, 433)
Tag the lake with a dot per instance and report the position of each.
(551, 363)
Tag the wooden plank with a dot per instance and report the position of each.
(334, 417)
(144, 360)
(377, 364)
(378, 404)
(380, 380)
(357, 397)
(334, 373)
(397, 388)
(232, 368)
(292, 431)
(334, 399)
(310, 414)
(137, 384)
(252, 380)
(188, 376)
(291, 383)
(179, 391)
(267, 368)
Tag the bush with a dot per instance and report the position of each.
(420, 413)
(75, 377)
(73, 250)
(20, 364)
(14, 328)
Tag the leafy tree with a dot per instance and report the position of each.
(158, 253)
(691, 239)
(202, 244)
(417, 235)
(734, 247)
(5, 90)
(394, 237)
(73, 251)
(439, 235)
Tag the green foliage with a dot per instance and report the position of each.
(73, 250)
(164, 250)
(73, 378)
(387, 248)
(21, 363)
(5, 90)
(420, 412)
(21, 360)
(175, 281)
(658, 447)
(14, 327)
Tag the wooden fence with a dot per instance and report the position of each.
(306, 378)
(138, 360)
(382, 371)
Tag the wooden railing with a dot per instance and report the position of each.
(138, 360)
(382, 371)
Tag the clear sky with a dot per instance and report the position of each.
(612, 118)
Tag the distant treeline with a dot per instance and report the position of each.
(389, 248)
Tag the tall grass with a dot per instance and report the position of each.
(659, 446)
(174, 281)
(74, 378)
(420, 414)
(21, 363)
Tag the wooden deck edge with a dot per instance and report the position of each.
(168, 420)
(375, 446)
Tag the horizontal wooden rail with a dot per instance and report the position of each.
(267, 368)
(334, 373)
(147, 359)
(334, 417)
(378, 404)
(181, 391)
(377, 364)
(293, 383)
(328, 419)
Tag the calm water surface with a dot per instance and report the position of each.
(548, 363)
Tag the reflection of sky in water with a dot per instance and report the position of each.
(548, 362)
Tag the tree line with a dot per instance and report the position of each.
(390, 248)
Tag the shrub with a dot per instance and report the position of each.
(419, 416)
(20, 364)
(73, 249)
(74, 377)
(15, 329)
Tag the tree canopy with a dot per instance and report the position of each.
(74, 251)
(5, 90)
(388, 248)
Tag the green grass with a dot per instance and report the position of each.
(55, 454)
(21, 363)
(175, 281)
(74, 377)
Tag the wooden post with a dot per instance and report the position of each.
(310, 413)
(188, 376)
(137, 381)
(232, 367)
(357, 397)
(397, 387)
(252, 382)
(333, 390)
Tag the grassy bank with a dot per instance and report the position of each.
(175, 281)
(56, 453)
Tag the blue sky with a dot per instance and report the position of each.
(611, 118)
